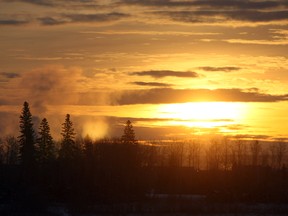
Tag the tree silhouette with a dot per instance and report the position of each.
(46, 148)
(68, 148)
(12, 150)
(129, 134)
(26, 139)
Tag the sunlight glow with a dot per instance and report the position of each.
(203, 114)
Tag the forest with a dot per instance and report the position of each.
(124, 175)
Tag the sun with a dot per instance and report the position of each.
(203, 114)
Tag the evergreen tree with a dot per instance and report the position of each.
(88, 147)
(12, 150)
(129, 134)
(26, 139)
(46, 148)
(68, 148)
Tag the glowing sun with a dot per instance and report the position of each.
(203, 114)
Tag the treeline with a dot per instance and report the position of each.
(35, 171)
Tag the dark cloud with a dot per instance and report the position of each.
(165, 73)
(236, 4)
(82, 18)
(9, 75)
(250, 137)
(225, 69)
(96, 17)
(13, 22)
(154, 84)
(36, 2)
(51, 3)
(50, 21)
(169, 95)
(239, 15)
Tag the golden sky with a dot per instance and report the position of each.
(173, 67)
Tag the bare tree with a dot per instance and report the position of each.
(213, 154)
(194, 154)
(2, 151)
(175, 153)
(239, 153)
(281, 153)
(225, 154)
(255, 150)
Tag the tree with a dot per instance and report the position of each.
(12, 150)
(88, 147)
(255, 148)
(26, 139)
(129, 134)
(46, 148)
(194, 153)
(2, 152)
(68, 148)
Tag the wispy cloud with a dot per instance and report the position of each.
(9, 75)
(236, 4)
(224, 69)
(153, 84)
(82, 18)
(51, 21)
(13, 22)
(216, 16)
(166, 73)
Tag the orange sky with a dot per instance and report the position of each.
(175, 67)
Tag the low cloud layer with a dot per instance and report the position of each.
(169, 95)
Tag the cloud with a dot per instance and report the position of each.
(170, 95)
(154, 84)
(208, 11)
(82, 18)
(220, 16)
(13, 22)
(96, 17)
(236, 4)
(51, 21)
(250, 136)
(166, 73)
(36, 2)
(9, 75)
(224, 69)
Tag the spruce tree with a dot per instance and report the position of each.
(68, 148)
(129, 134)
(26, 139)
(46, 147)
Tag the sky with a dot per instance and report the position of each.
(175, 68)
